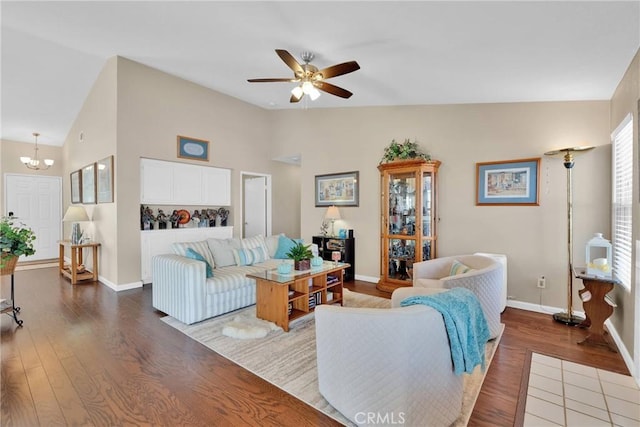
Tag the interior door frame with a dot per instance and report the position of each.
(269, 208)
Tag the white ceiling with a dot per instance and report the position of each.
(409, 52)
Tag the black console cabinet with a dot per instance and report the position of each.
(347, 248)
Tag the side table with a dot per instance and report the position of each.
(596, 308)
(71, 271)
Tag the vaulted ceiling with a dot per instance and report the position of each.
(410, 53)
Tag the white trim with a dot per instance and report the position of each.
(622, 124)
(367, 278)
(118, 288)
(269, 201)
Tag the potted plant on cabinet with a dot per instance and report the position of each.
(301, 256)
(15, 239)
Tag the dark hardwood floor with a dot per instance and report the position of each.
(90, 356)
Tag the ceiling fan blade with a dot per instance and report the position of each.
(337, 70)
(284, 79)
(291, 62)
(333, 89)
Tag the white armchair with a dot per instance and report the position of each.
(393, 363)
(485, 280)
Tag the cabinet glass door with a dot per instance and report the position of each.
(402, 253)
(402, 204)
(427, 217)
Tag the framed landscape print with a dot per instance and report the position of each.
(89, 184)
(339, 189)
(508, 182)
(105, 180)
(76, 187)
(192, 148)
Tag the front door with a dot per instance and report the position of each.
(36, 201)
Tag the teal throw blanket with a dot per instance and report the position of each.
(465, 324)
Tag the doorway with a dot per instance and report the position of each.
(36, 200)
(256, 204)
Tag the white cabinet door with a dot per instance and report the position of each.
(216, 189)
(172, 183)
(156, 182)
(187, 184)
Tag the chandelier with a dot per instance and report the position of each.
(34, 163)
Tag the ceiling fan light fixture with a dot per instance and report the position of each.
(314, 94)
(297, 92)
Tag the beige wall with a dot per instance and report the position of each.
(625, 100)
(285, 185)
(10, 152)
(534, 238)
(97, 121)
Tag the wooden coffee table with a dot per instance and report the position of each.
(283, 298)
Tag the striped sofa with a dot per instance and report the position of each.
(181, 289)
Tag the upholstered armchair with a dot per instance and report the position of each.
(484, 279)
(393, 362)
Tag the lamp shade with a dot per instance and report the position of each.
(332, 213)
(75, 214)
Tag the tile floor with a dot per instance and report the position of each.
(563, 393)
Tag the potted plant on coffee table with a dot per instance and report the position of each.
(301, 256)
(15, 239)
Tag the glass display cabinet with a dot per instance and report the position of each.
(408, 219)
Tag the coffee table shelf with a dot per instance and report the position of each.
(283, 298)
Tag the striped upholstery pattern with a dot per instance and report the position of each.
(256, 242)
(201, 247)
(181, 290)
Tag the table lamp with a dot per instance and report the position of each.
(75, 214)
(332, 215)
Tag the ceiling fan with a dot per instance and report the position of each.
(310, 78)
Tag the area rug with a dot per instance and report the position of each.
(556, 392)
(288, 359)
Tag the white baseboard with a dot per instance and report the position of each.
(122, 287)
(367, 278)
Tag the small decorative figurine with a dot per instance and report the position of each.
(162, 219)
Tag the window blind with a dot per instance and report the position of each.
(622, 195)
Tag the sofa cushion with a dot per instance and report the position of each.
(256, 242)
(201, 247)
(284, 246)
(272, 243)
(248, 256)
(222, 251)
(190, 253)
(232, 278)
(458, 268)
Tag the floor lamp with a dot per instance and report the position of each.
(569, 318)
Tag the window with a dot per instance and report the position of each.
(622, 195)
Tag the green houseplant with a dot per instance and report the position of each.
(301, 255)
(403, 151)
(15, 239)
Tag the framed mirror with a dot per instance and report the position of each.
(76, 187)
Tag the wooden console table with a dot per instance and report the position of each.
(71, 271)
(596, 308)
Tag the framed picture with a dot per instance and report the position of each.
(194, 149)
(105, 180)
(339, 189)
(76, 187)
(509, 182)
(89, 184)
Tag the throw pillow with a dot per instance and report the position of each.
(256, 242)
(248, 256)
(180, 248)
(272, 243)
(284, 246)
(190, 253)
(459, 268)
(222, 250)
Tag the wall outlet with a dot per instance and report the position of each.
(542, 282)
